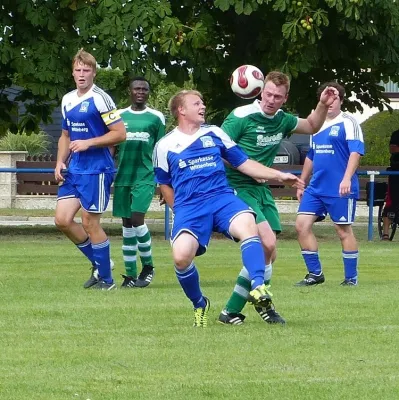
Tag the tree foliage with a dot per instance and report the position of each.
(353, 41)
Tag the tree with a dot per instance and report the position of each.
(353, 41)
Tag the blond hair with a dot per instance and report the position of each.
(84, 58)
(279, 79)
(178, 101)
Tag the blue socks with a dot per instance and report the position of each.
(350, 259)
(101, 255)
(189, 281)
(312, 261)
(86, 249)
(253, 259)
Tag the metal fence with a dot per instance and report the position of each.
(371, 174)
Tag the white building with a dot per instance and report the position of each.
(392, 91)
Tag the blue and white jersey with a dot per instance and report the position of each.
(86, 117)
(193, 164)
(330, 151)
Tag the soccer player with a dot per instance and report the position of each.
(259, 128)
(334, 188)
(392, 198)
(134, 182)
(90, 125)
(190, 171)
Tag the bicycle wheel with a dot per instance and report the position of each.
(380, 220)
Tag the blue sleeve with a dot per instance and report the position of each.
(356, 146)
(310, 154)
(64, 123)
(235, 156)
(162, 177)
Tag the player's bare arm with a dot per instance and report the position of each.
(353, 163)
(305, 176)
(62, 154)
(168, 195)
(315, 120)
(116, 134)
(227, 164)
(260, 172)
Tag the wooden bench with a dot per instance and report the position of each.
(44, 183)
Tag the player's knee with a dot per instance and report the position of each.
(127, 223)
(183, 255)
(248, 228)
(303, 225)
(137, 219)
(90, 225)
(182, 261)
(269, 241)
(269, 247)
(299, 227)
(61, 222)
(345, 233)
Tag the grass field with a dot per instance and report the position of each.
(59, 341)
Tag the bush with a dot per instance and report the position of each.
(377, 132)
(35, 144)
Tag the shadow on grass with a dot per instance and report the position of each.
(323, 232)
(35, 230)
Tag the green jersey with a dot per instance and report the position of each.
(258, 134)
(143, 129)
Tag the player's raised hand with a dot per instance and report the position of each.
(79, 145)
(328, 96)
(292, 180)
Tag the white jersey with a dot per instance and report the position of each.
(330, 151)
(193, 164)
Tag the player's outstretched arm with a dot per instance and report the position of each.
(259, 172)
(315, 120)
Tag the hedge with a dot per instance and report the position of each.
(377, 132)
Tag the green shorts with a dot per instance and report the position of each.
(260, 199)
(129, 199)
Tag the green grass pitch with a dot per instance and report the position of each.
(59, 341)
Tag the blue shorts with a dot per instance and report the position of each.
(341, 209)
(93, 190)
(211, 215)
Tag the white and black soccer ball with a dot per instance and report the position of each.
(247, 81)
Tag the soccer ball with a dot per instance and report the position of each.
(247, 81)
